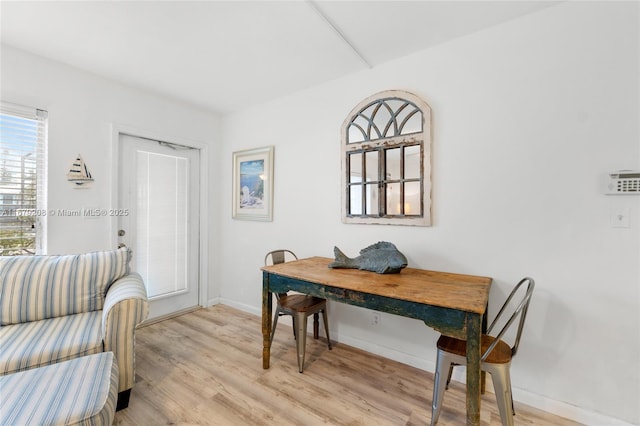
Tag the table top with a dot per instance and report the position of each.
(467, 293)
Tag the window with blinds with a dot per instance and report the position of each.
(23, 135)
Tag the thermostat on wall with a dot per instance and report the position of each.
(624, 182)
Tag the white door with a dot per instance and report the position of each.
(159, 186)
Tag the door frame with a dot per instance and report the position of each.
(203, 244)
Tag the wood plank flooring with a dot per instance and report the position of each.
(205, 368)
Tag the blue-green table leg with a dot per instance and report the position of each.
(474, 331)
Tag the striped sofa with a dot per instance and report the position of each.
(57, 308)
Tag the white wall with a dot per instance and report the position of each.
(82, 110)
(528, 117)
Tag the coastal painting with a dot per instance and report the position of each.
(253, 184)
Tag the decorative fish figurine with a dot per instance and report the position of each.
(381, 257)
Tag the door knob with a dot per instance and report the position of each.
(121, 233)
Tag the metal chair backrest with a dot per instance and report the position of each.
(276, 257)
(279, 256)
(520, 310)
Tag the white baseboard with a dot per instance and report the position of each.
(214, 301)
(241, 306)
(557, 408)
(566, 410)
(383, 351)
(548, 405)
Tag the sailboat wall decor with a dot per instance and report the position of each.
(79, 173)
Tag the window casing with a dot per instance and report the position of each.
(23, 134)
(386, 145)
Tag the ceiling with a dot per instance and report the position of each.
(227, 55)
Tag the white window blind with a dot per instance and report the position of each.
(23, 135)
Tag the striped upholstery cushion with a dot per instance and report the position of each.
(37, 343)
(78, 392)
(33, 288)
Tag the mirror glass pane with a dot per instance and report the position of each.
(381, 119)
(372, 199)
(355, 199)
(395, 105)
(412, 198)
(413, 124)
(393, 199)
(412, 162)
(355, 168)
(371, 159)
(392, 157)
(355, 135)
(357, 130)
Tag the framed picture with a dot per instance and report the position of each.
(253, 184)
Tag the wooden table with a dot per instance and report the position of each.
(452, 304)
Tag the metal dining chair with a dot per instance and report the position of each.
(300, 307)
(495, 359)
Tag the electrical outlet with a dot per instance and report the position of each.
(375, 319)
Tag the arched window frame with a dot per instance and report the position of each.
(389, 122)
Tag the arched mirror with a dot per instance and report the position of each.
(386, 161)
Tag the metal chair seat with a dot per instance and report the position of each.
(501, 353)
(291, 303)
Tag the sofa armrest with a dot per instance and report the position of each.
(125, 307)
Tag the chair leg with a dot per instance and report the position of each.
(275, 323)
(300, 320)
(294, 330)
(325, 319)
(316, 326)
(450, 374)
(502, 386)
(439, 385)
(482, 379)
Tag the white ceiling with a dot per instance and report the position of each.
(227, 55)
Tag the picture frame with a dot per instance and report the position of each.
(253, 184)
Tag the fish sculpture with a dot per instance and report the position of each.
(382, 257)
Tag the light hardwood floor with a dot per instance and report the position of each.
(205, 368)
